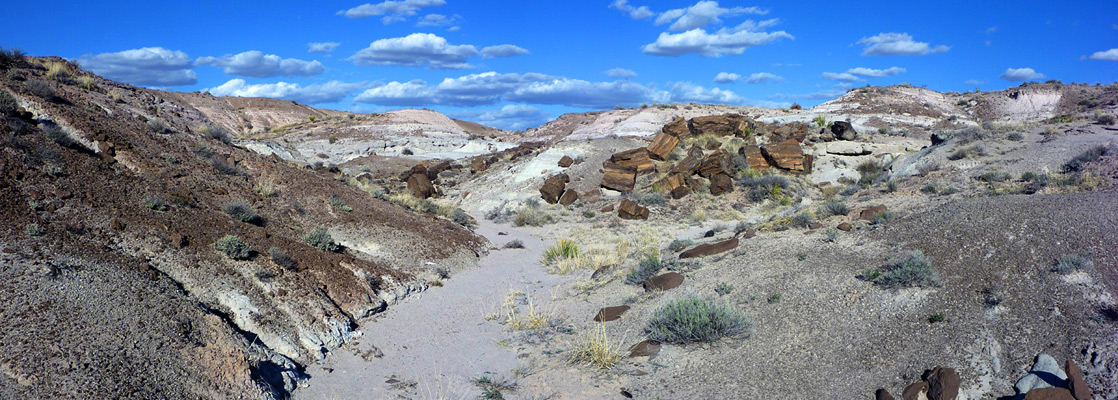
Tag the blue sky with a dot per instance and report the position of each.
(516, 64)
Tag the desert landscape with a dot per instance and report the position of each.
(889, 242)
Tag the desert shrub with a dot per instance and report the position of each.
(820, 120)
(891, 185)
(57, 71)
(762, 187)
(993, 295)
(33, 230)
(1069, 263)
(972, 151)
(796, 106)
(594, 349)
(216, 132)
(1016, 137)
(57, 135)
(562, 249)
(1104, 118)
(407, 152)
(8, 103)
(224, 167)
(531, 216)
(939, 188)
(908, 269)
(835, 207)
(648, 266)
(653, 199)
(11, 56)
(40, 89)
(460, 217)
(694, 318)
(830, 235)
(318, 237)
(515, 244)
(937, 317)
(802, 220)
(281, 259)
(233, 247)
(588, 214)
(158, 126)
(680, 244)
(1036, 181)
(882, 217)
(154, 203)
(240, 211)
(266, 187)
(850, 190)
(86, 81)
(339, 204)
(993, 176)
(871, 172)
(1079, 163)
(723, 288)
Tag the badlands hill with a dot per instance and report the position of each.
(180, 245)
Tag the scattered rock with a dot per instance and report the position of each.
(786, 155)
(566, 161)
(679, 127)
(754, 157)
(629, 209)
(670, 280)
(420, 186)
(619, 177)
(179, 240)
(117, 224)
(637, 158)
(601, 271)
(843, 131)
(662, 145)
(938, 139)
(915, 391)
(1045, 373)
(747, 234)
(645, 348)
(478, 164)
(610, 313)
(716, 163)
(721, 184)
(569, 197)
(848, 149)
(814, 225)
(883, 394)
(719, 125)
(868, 213)
(553, 187)
(1049, 393)
(688, 165)
(680, 192)
(1076, 384)
(607, 208)
(845, 227)
(796, 131)
(943, 384)
(707, 249)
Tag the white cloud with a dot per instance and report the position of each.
(685, 92)
(726, 77)
(511, 116)
(438, 20)
(154, 66)
(763, 77)
(641, 12)
(620, 73)
(897, 44)
(1109, 55)
(841, 76)
(1020, 74)
(876, 73)
(254, 64)
(503, 50)
(992, 29)
(701, 14)
(974, 82)
(723, 41)
(393, 11)
(408, 94)
(820, 95)
(329, 92)
(580, 93)
(484, 88)
(417, 49)
(322, 47)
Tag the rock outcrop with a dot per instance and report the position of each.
(619, 177)
(842, 130)
(629, 209)
(637, 158)
(707, 249)
(553, 187)
(786, 155)
(662, 145)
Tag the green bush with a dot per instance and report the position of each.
(40, 89)
(1069, 263)
(1079, 163)
(562, 249)
(993, 176)
(531, 216)
(154, 203)
(8, 103)
(871, 172)
(318, 237)
(723, 288)
(241, 211)
(802, 220)
(158, 126)
(680, 244)
(216, 132)
(882, 217)
(34, 230)
(761, 187)
(460, 217)
(908, 269)
(339, 204)
(694, 318)
(653, 199)
(233, 247)
(648, 266)
(281, 259)
(55, 133)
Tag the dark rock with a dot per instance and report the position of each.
(721, 184)
(845, 227)
(479, 164)
(645, 348)
(619, 177)
(709, 233)
(662, 145)
(607, 208)
(680, 192)
(796, 131)
(719, 125)
(913, 391)
(601, 271)
(1049, 393)
(943, 384)
(716, 163)
(566, 161)
(418, 168)
(688, 165)
(670, 280)
(610, 313)
(814, 225)
(679, 127)
(117, 224)
(569, 197)
(420, 186)
(747, 234)
(179, 240)
(754, 157)
(629, 209)
(1076, 384)
(638, 158)
(937, 139)
(707, 249)
(883, 394)
(553, 187)
(786, 155)
(868, 213)
(843, 131)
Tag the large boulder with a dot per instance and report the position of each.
(786, 155)
(629, 209)
(420, 186)
(1051, 393)
(882, 394)
(610, 313)
(637, 158)
(721, 184)
(619, 177)
(943, 384)
(569, 197)
(754, 157)
(1076, 384)
(662, 145)
(553, 187)
(1045, 373)
(566, 161)
(843, 131)
(419, 168)
(915, 391)
(670, 182)
(679, 127)
(868, 213)
(793, 131)
(707, 249)
(720, 125)
(716, 163)
(670, 280)
(688, 165)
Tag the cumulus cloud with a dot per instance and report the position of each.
(416, 50)
(438, 20)
(503, 50)
(974, 82)
(763, 77)
(685, 92)
(841, 76)
(408, 94)
(1109, 55)
(876, 73)
(820, 95)
(580, 93)
(511, 116)
(254, 64)
(726, 77)
(153, 66)
(322, 47)
(620, 73)
(702, 14)
(1020, 74)
(641, 12)
(897, 44)
(724, 41)
(329, 92)
(393, 11)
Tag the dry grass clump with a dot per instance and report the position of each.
(594, 349)
(562, 249)
(519, 313)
